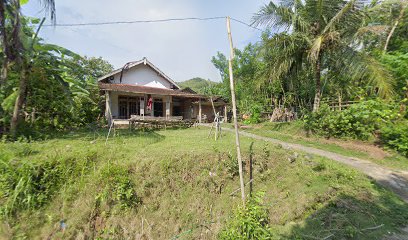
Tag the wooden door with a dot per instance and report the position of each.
(128, 106)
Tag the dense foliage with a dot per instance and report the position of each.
(334, 52)
(395, 136)
(366, 120)
(360, 121)
(61, 90)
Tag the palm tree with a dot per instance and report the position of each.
(314, 30)
(13, 50)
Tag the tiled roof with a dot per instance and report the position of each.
(148, 90)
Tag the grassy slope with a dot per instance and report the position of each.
(197, 84)
(185, 181)
(294, 133)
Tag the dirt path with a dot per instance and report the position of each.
(397, 181)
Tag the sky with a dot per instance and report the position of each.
(182, 50)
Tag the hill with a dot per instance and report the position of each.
(197, 84)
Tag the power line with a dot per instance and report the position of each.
(147, 21)
(246, 24)
(135, 21)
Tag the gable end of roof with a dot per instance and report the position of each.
(130, 65)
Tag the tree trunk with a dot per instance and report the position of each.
(4, 43)
(318, 93)
(19, 101)
(401, 15)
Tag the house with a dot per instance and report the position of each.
(141, 89)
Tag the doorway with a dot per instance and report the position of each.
(128, 106)
(158, 108)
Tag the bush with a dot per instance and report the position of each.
(117, 187)
(359, 121)
(249, 222)
(395, 136)
(255, 115)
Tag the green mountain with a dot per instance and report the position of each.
(197, 84)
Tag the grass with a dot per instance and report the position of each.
(176, 184)
(294, 133)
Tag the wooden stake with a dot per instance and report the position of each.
(234, 111)
(199, 111)
(251, 176)
(215, 120)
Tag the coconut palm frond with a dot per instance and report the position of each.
(49, 6)
(374, 29)
(339, 15)
(379, 77)
(360, 66)
(272, 15)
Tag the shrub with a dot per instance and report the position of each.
(359, 121)
(395, 136)
(117, 187)
(255, 115)
(249, 222)
(230, 164)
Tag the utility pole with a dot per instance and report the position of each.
(234, 111)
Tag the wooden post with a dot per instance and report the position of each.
(251, 176)
(108, 113)
(152, 109)
(142, 106)
(199, 110)
(215, 119)
(167, 107)
(234, 111)
(225, 114)
(340, 100)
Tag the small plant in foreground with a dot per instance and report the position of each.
(249, 222)
(118, 188)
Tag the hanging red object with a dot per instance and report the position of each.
(150, 104)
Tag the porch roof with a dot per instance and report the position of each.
(147, 90)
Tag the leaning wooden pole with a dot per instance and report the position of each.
(234, 111)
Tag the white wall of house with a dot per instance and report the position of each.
(142, 75)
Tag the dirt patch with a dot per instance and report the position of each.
(372, 150)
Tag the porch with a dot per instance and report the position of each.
(127, 102)
(134, 107)
(162, 107)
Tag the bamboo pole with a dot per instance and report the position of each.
(234, 111)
